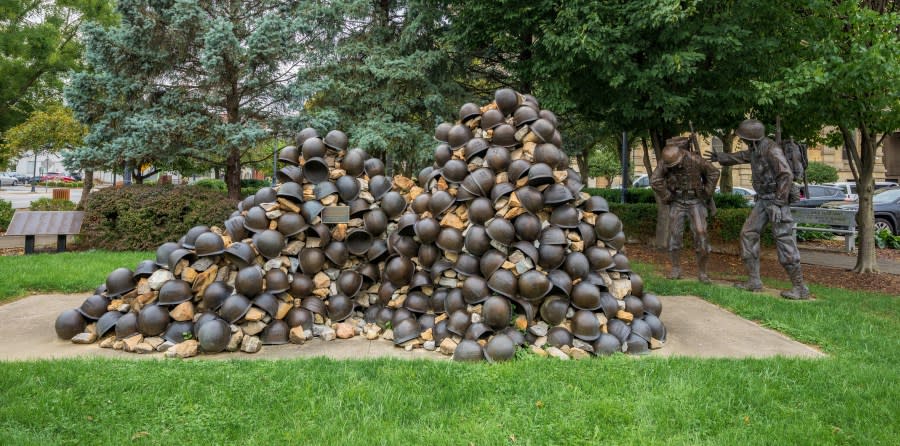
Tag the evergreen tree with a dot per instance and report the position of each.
(181, 83)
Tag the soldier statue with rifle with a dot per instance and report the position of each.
(686, 182)
(772, 177)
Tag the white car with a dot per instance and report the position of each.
(849, 188)
(748, 194)
(6, 180)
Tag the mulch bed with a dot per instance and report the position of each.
(731, 268)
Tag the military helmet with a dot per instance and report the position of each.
(598, 258)
(277, 281)
(475, 147)
(596, 203)
(553, 235)
(377, 251)
(174, 292)
(657, 329)
(609, 305)
(469, 111)
(337, 253)
(393, 204)
(292, 191)
(751, 130)
(384, 316)
(144, 269)
(406, 330)
(69, 323)
(491, 119)
(585, 296)
(107, 322)
(621, 263)
(256, 220)
(477, 241)
(240, 254)
(373, 167)
(501, 190)
(531, 199)
(636, 345)
(289, 154)
(496, 312)
(401, 314)
(480, 210)
(607, 226)
(499, 348)
(420, 204)
(586, 230)
(562, 282)
(498, 158)
(153, 320)
(504, 136)
(301, 286)
(348, 188)
(299, 317)
(119, 282)
(359, 241)
(162, 253)
(265, 195)
(403, 245)
(215, 294)
(525, 115)
(606, 344)
(379, 185)
(553, 310)
(540, 174)
(551, 256)
(291, 224)
(209, 244)
(468, 350)
(477, 330)
(533, 285)
(441, 131)
(276, 333)
(491, 262)
(467, 265)
(315, 170)
(311, 261)
(249, 281)
(417, 302)
(427, 229)
(585, 325)
(455, 171)
(484, 180)
(544, 130)
(192, 235)
(442, 154)
(349, 282)
(475, 290)
(313, 148)
(634, 305)
(507, 100)
(440, 202)
(450, 239)
(269, 243)
(305, 134)
(310, 209)
(672, 155)
(234, 308)
(213, 335)
(289, 174)
(504, 282)
(458, 135)
(619, 329)
(313, 304)
(354, 162)
(340, 307)
(336, 140)
(518, 169)
(559, 336)
(458, 322)
(549, 154)
(126, 326)
(399, 270)
(652, 304)
(564, 216)
(557, 194)
(93, 307)
(324, 189)
(501, 230)
(577, 264)
(234, 226)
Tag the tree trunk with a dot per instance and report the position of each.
(582, 160)
(864, 160)
(726, 181)
(86, 188)
(661, 241)
(233, 173)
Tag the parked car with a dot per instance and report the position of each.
(819, 195)
(886, 204)
(747, 193)
(641, 181)
(55, 176)
(8, 180)
(849, 188)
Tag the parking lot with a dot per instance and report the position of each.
(21, 196)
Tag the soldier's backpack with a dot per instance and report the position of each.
(795, 153)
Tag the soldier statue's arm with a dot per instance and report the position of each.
(711, 176)
(729, 159)
(783, 174)
(658, 183)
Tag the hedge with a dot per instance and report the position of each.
(6, 214)
(49, 204)
(645, 196)
(248, 186)
(141, 217)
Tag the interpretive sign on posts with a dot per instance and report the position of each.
(333, 215)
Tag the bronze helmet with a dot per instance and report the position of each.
(491, 262)
(559, 336)
(336, 140)
(543, 129)
(427, 229)
(475, 147)
(214, 335)
(496, 312)
(174, 292)
(468, 350)
(69, 323)
(104, 324)
(477, 241)
(751, 130)
(652, 304)
(289, 154)
(269, 243)
(585, 296)
(528, 227)
(478, 330)
(475, 290)
(553, 235)
(337, 253)
(533, 285)
(313, 304)
(145, 268)
(553, 310)
(126, 326)
(586, 230)
(152, 320)
(607, 226)
(498, 158)
(417, 302)
(636, 345)
(302, 286)
(349, 282)
(192, 235)
(455, 301)
(528, 249)
(276, 333)
(277, 281)
(504, 282)
(548, 154)
(375, 222)
(502, 231)
(450, 239)
(657, 329)
(480, 210)
(291, 191)
(564, 216)
(634, 305)
(249, 281)
(256, 220)
(384, 316)
(289, 174)
(305, 134)
(209, 244)
(215, 294)
(551, 256)
(455, 171)
(458, 322)
(162, 253)
(504, 136)
(377, 251)
(315, 170)
(240, 254)
(467, 265)
(576, 264)
(403, 245)
(291, 224)
(299, 317)
(312, 260)
(442, 154)
(540, 174)
(617, 242)
(359, 241)
(440, 202)
(401, 314)
(501, 190)
(619, 329)
(340, 307)
(353, 162)
(491, 119)
(621, 263)
(234, 226)
(469, 111)
(458, 136)
(393, 204)
(499, 348)
(348, 188)
(120, 282)
(399, 270)
(557, 194)
(562, 282)
(406, 330)
(93, 307)
(265, 195)
(531, 199)
(312, 148)
(609, 305)
(585, 325)
(606, 344)
(373, 167)
(310, 209)
(507, 100)
(518, 169)
(234, 308)
(599, 258)
(420, 204)
(524, 115)
(379, 185)
(324, 189)
(441, 131)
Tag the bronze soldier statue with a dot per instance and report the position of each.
(772, 179)
(686, 182)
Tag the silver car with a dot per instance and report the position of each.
(7, 180)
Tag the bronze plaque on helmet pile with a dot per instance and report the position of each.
(333, 215)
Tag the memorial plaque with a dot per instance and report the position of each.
(333, 215)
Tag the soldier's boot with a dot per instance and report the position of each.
(702, 261)
(675, 272)
(753, 283)
(799, 290)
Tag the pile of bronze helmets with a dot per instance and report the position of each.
(492, 249)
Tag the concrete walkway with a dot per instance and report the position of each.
(695, 327)
(843, 261)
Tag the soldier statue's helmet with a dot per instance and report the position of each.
(751, 130)
(672, 155)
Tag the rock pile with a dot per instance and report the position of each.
(495, 248)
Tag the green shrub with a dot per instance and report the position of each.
(818, 173)
(141, 217)
(646, 196)
(806, 236)
(250, 186)
(58, 184)
(6, 214)
(883, 239)
(49, 204)
(211, 183)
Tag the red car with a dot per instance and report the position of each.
(53, 176)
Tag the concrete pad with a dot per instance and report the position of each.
(696, 328)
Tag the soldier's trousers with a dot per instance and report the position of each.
(785, 244)
(695, 210)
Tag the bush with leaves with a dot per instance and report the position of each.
(141, 217)
(884, 239)
(645, 196)
(50, 204)
(820, 173)
(6, 214)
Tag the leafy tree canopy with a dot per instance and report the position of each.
(52, 129)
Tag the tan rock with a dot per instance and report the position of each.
(624, 316)
(234, 343)
(344, 330)
(204, 280)
(619, 288)
(147, 298)
(655, 344)
(154, 341)
(84, 338)
(372, 333)
(251, 344)
(273, 224)
(452, 220)
(255, 314)
(252, 328)
(577, 353)
(284, 203)
(514, 212)
(187, 348)
(283, 308)
(448, 346)
(415, 192)
(143, 348)
(183, 312)
(188, 274)
(427, 335)
(108, 342)
(339, 232)
(143, 286)
(403, 183)
(114, 304)
(521, 322)
(321, 280)
(538, 351)
(296, 335)
(441, 317)
(131, 342)
(118, 344)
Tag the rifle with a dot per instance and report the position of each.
(695, 147)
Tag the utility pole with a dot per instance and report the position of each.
(625, 179)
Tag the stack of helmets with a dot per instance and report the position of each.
(495, 246)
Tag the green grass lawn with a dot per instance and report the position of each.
(851, 397)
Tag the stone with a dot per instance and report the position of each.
(108, 342)
(624, 316)
(578, 343)
(154, 341)
(118, 345)
(203, 264)
(521, 322)
(448, 346)
(540, 341)
(253, 327)
(143, 286)
(143, 348)
(124, 308)
(476, 318)
(539, 329)
(554, 352)
(577, 353)
(158, 278)
(188, 274)
(452, 220)
(655, 344)
(321, 280)
(255, 314)
(272, 264)
(296, 335)
(183, 312)
(84, 338)
(388, 335)
(283, 308)
(251, 344)
(146, 298)
(427, 335)
(372, 333)
(429, 345)
(619, 288)
(186, 349)
(287, 204)
(165, 346)
(538, 351)
(204, 280)
(234, 342)
(344, 330)
(328, 334)
(132, 341)
(293, 248)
